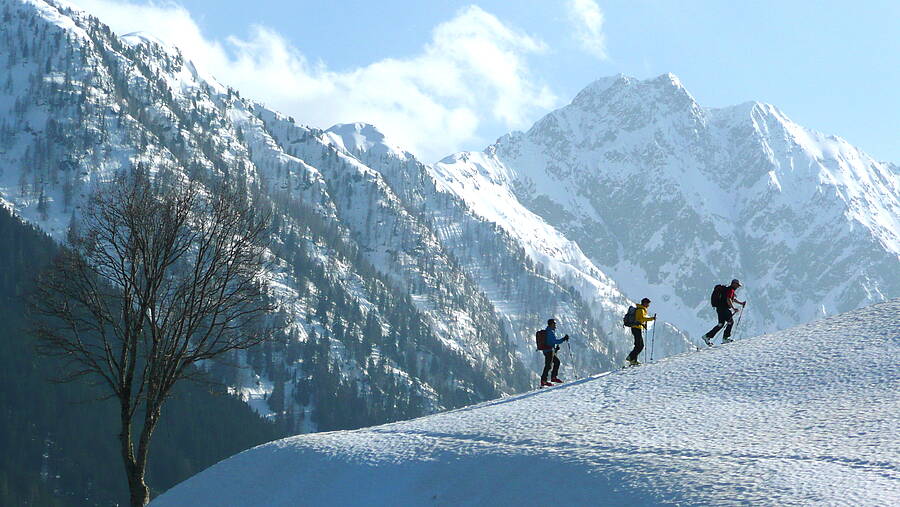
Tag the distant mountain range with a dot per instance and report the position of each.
(669, 198)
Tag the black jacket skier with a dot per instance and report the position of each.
(726, 312)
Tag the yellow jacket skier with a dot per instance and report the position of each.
(638, 323)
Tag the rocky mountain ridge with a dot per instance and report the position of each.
(669, 198)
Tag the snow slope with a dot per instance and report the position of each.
(802, 416)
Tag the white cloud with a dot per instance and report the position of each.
(587, 19)
(474, 70)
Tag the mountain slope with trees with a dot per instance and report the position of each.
(59, 440)
(390, 314)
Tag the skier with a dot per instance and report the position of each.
(726, 311)
(637, 330)
(550, 358)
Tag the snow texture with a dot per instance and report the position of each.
(809, 415)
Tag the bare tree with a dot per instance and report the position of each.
(158, 276)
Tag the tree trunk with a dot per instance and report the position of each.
(134, 469)
(143, 452)
(140, 493)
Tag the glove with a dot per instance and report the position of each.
(566, 338)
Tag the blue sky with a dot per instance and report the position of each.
(442, 76)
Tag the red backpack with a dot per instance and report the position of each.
(541, 339)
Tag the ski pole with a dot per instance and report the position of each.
(741, 316)
(653, 338)
(646, 349)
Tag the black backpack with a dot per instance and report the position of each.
(541, 338)
(717, 298)
(629, 320)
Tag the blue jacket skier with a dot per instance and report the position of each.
(550, 358)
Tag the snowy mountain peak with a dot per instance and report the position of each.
(620, 103)
(147, 38)
(600, 86)
(363, 138)
(751, 110)
(59, 14)
(666, 88)
(670, 79)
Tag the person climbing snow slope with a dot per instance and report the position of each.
(551, 346)
(723, 300)
(638, 326)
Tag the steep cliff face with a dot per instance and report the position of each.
(669, 198)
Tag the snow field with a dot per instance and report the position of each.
(809, 415)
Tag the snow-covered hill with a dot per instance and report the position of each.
(809, 415)
(669, 198)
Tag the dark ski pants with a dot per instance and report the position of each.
(638, 343)
(550, 359)
(725, 317)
